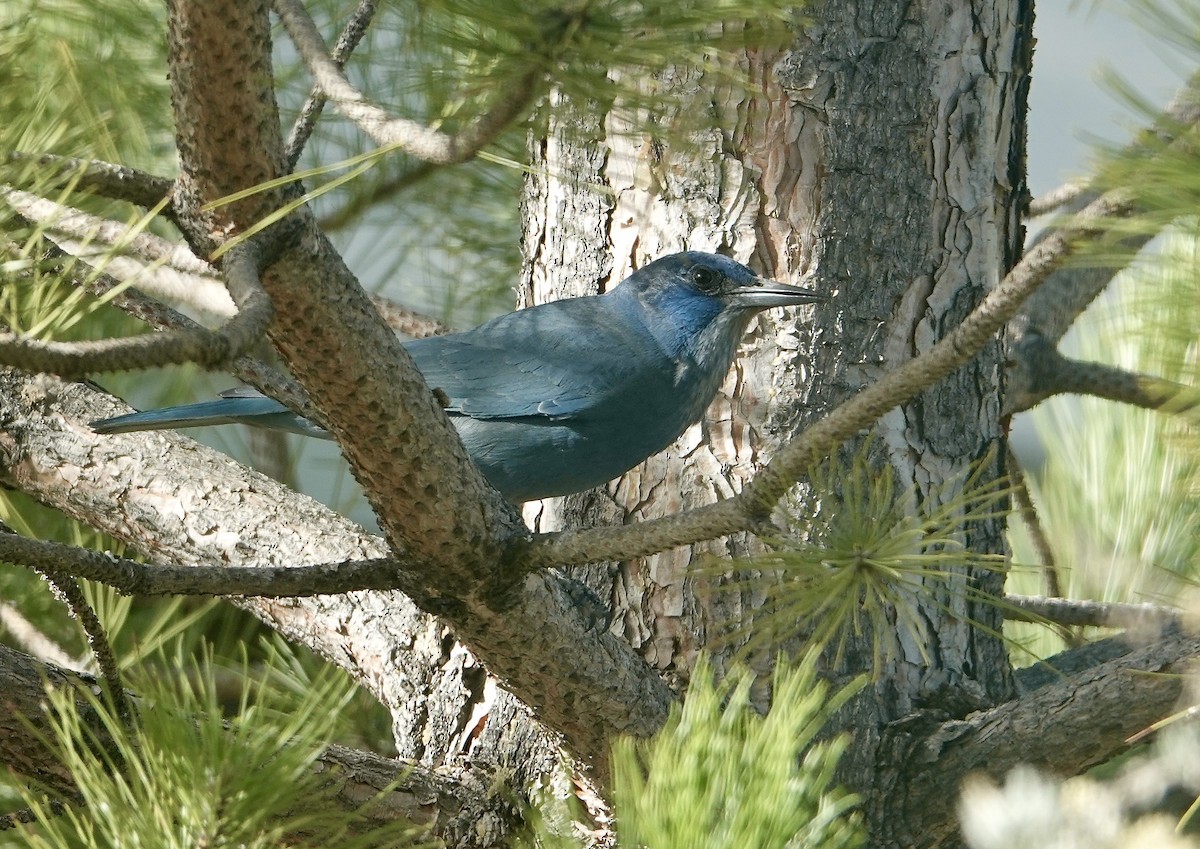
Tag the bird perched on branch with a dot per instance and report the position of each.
(567, 395)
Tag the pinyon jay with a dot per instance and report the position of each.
(567, 395)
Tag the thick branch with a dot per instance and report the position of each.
(132, 578)
(1080, 612)
(432, 502)
(1063, 727)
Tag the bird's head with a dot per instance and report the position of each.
(699, 304)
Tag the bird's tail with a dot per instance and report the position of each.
(257, 410)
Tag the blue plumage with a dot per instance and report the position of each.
(567, 395)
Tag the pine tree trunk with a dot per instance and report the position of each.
(883, 159)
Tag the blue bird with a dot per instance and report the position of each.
(567, 395)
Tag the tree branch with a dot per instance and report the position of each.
(69, 592)
(1065, 727)
(1055, 199)
(1079, 613)
(1044, 372)
(132, 578)
(204, 347)
(104, 178)
(411, 137)
(351, 35)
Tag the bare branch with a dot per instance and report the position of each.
(70, 593)
(132, 578)
(1044, 372)
(1083, 613)
(351, 35)
(1044, 728)
(204, 347)
(412, 137)
(1055, 199)
(30, 638)
(103, 178)
(750, 508)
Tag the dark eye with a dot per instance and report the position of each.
(706, 280)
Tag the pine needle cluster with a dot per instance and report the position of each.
(188, 771)
(721, 776)
(863, 555)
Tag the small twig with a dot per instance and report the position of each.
(132, 578)
(204, 347)
(412, 137)
(69, 592)
(1055, 198)
(1078, 613)
(103, 178)
(351, 35)
(1051, 582)
(30, 638)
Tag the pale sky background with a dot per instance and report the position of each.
(1069, 104)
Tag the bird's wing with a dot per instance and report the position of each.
(549, 364)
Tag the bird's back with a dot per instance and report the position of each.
(557, 398)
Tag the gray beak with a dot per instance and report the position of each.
(767, 293)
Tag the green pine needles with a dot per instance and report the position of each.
(721, 776)
(187, 772)
(864, 557)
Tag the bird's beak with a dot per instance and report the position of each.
(768, 293)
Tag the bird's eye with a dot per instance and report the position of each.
(706, 280)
